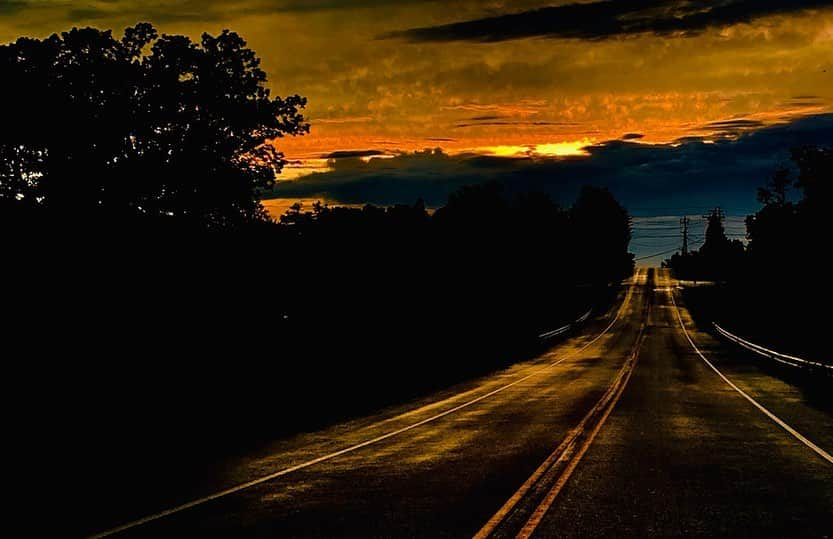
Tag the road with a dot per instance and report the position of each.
(627, 429)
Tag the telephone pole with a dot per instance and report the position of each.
(716, 214)
(684, 229)
(715, 233)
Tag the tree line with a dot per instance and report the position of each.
(152, 298)
(784, 237)
(772, 289)
(139, 130)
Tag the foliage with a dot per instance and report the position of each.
(191, 337)
(146, 126)
(765, 297)
(484, 229)
(782, 234)
(719, 258)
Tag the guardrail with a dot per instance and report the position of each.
(792, 361)
(565, 329)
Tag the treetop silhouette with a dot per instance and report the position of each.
(146, 126)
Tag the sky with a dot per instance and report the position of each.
(654, 97)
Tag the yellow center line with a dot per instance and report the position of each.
(564, 451)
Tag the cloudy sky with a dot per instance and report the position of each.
(468, 74)
(551, 82)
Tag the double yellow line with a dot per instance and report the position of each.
(561, 463)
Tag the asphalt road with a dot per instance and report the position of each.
(623, 430)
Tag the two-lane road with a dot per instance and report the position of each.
(686, 454)
(623, 430)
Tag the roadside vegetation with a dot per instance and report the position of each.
(774, 290)
(157, 314)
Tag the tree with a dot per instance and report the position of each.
(716, 239)
(784, 234)
(719, 258)
(775, 193)
(142, 126)
(601, 232)
(815, 179)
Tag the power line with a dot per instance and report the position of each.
(674, 250)
(669, 251)
(634, 247)
(667, 240)
(669, 243)
(682, 208)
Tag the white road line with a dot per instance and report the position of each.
(584, 317)
(566, 328)
(800, 437)
(555, 332)
(771, 354)
(307, 464)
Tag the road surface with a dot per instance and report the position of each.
(641, 425)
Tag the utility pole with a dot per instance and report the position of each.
(684, 229)
(715, 233)
(717, 214)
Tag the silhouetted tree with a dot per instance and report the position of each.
(783, 234)
(143, 130)
(142, 126)
(780, 234)
(763, 295)
(719, 258)
(478, 211)
(716, 241)
(775, 193)
(815, 178)
(601, 232)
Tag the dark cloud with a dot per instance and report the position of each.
(159, 11)
(730, 127)
(687, 140)
(632, 136)
(329, 5)
(511, 122)
(741, 123)
(486, 118)
(701, 172)
(806, 101)
(610, 18)
(11, 7)
(162, 12)
(347, 154)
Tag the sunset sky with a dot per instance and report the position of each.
(534, 79)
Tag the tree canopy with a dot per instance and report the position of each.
(783, 234)
(785, 231)
(144, 125)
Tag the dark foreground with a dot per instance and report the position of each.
(623, 430)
